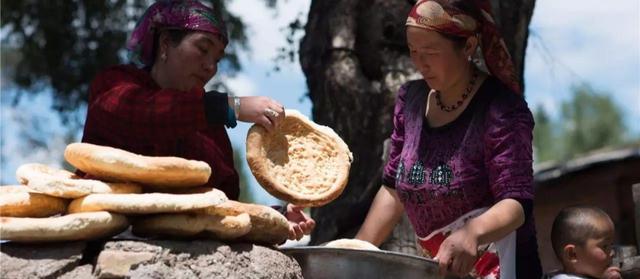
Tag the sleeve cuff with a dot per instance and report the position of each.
(281, 208)
(527, 206)
(216, 108)
(389, 181)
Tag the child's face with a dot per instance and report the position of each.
(596, 254)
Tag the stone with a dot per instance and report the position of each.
(80, 272)
(145, 259)
(202, 259)
(44, 260)
(116, 264)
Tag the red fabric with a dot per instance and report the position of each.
(128, 110)
(487, 265)
(439, 16)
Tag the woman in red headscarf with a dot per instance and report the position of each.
(156, 106)
(460, 164)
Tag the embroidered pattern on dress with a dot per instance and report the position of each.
(416, 175)
(400, 173)
(442, 175)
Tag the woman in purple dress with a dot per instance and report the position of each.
(460, 164)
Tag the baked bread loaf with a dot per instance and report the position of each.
(79, 226)
(147, 203)
(351, 243)
(268, 226)
(112, 164)
(186, 190)
(189, 225)
(300, 162)
(20, 201)
(65, 184)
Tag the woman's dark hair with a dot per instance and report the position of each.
(175, 37)
(470, 9)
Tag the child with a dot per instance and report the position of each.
(581, 237)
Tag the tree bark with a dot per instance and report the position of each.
(355, 58)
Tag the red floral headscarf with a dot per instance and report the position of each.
(171, 14)
(436, 15)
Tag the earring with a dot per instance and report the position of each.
(163, 57)
(469, 58)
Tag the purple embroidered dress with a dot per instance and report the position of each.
(480, 158)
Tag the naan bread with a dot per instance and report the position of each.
(348, 243)
(79, 226)
(300, 162)
(189, 225)
(64, 184)
(147, 203)
(114, 164)
(20, 201)
(268, 226)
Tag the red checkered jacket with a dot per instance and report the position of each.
(128, 110)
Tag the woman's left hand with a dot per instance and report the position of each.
(299, 223)
(458, 253)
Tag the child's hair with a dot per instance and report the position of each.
(575, 225)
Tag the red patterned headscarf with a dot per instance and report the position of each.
(438, 16)
(171, 14)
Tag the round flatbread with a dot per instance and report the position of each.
(114, 164)
(186, 190)
(79, 226)
(189, 225)
(348, 243)
(301, 162)
(20, 201)
(64, 184)
(268, 226)
(147, 203)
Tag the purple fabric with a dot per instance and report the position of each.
(488, 149)
(171, 14)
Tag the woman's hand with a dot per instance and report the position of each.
(458, 253)
(299, 223)
(261, 110)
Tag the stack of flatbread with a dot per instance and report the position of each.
(158, 196)
(300, 161)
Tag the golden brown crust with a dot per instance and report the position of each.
(114, 164)
(189, 225)
(189, 190)
(80, 226)
(268, 226)
(20, 201)
(64, 184)
(349, 243)
(301, 162)
(147, 203)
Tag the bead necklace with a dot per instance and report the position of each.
(465, 95)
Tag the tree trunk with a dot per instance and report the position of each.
(355, 58)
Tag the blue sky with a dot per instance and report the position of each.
(573, 41)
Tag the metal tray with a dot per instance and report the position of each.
(321, 262)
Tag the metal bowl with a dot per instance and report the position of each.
(322, 262)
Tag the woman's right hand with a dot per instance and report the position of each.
(458, 253)
(261, 110)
